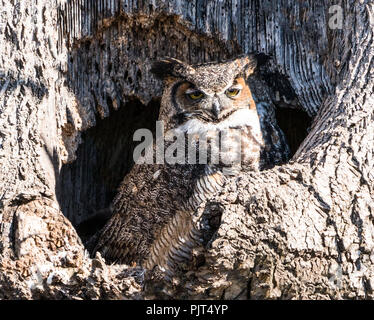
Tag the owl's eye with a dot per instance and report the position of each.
(195, 95)
(232, 92)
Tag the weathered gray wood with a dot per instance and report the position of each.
(303, 230)
(293, 33)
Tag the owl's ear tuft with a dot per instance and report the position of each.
(250, 63)
(168, 67)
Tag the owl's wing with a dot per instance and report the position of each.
(146, 200)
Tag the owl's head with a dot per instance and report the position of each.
(209, 92)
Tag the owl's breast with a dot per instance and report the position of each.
(235, 140)
(251, 144)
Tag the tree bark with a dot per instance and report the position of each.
(302, 230)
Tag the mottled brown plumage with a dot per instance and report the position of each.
(156, 221)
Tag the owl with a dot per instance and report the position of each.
(159, 217)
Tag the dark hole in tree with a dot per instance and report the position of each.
(294, 124)
(88, 185)
(293, 121)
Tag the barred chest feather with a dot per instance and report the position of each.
(238, 134)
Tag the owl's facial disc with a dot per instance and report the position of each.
(208, 104)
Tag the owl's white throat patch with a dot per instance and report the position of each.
(239, 118)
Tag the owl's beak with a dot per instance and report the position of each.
(216, 109)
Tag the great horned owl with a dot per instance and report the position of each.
(156, 221)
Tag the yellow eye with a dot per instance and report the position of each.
(232, 92)
(196, 95)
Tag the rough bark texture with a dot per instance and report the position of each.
(302, 230)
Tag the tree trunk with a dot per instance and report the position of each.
(75, 85)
